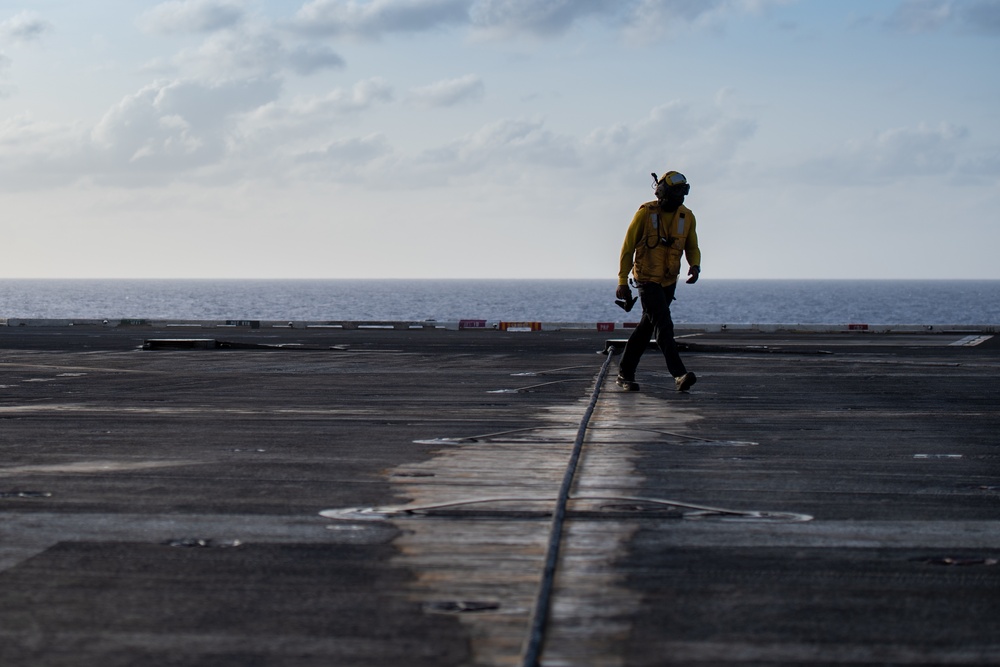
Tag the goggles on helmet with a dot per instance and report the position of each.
(672, 180)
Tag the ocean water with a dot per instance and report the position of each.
(708, 301)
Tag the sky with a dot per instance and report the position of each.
(469, 139)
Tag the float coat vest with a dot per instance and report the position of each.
(660, 239)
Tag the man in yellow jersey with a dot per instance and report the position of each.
(661, 232)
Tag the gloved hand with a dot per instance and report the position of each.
(625, 300)
(693, 272)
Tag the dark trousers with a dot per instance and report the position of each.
(656, 322)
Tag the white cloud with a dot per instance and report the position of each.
(192, 16)
(252, 51)
(173, 127)
(672, 136)
(980, 169)
(360, 97)
(538, 17)
(278, 130)
(505, 18)
(24, 27)
(179, 128)
(231, 52)
(508, 145)
(892, 155)
(702, 139)
(982, 16)
(921, 15)
(918, 150)
(649, 19)
(642, 18)
(309, 59)
(323, 109)
(670, 11)
(239, 44)
(449, 92)
(916, 16)
(374, 18)
(188, 130)
(38, 154)
(347, 156)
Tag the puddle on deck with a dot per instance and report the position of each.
(483, 562)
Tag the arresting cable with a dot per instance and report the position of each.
(543, 602)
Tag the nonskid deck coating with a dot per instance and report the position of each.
(889, 444)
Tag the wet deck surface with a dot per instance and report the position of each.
(162, 507)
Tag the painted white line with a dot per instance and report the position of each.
(970, 341)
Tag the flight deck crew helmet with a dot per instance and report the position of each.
(670, 181)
